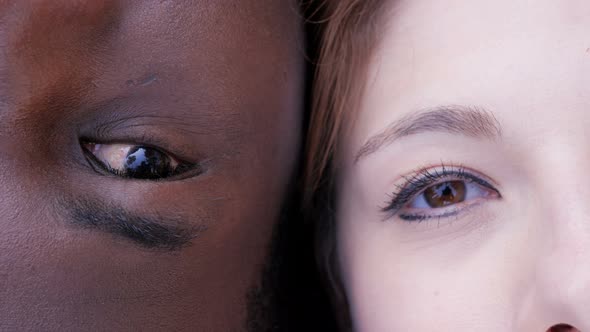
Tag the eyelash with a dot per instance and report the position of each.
(182, 171)
(420, 180)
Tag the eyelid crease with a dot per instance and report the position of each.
(104, 129)
(153, 110)
(165, 132)
(122, 110)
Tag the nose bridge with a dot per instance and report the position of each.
(560, 287)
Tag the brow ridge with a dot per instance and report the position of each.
(470, 121)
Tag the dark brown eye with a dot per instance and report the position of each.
(445, 194)
(135, 161)
(147, 163)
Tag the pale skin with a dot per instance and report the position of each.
(509, 257)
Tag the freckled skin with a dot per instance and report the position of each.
(219, 82)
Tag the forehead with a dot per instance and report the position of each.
(165, 18)
(112, 45)
(92, 11)
(512, 57)
(42, 29)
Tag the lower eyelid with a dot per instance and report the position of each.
(450, 211)
(420, 218)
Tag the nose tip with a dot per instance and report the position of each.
(563, 328)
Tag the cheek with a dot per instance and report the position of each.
(419, 277)
(51, 270)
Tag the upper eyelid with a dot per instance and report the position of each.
(429, 179)
(134, 143)
(142, 142)
(464, 170)
(160, 140)
(395, 204)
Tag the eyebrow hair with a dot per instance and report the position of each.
(470, 121)
(165, 233)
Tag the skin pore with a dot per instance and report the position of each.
(462, 194)
(146, 148)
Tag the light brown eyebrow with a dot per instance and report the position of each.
(470, 121)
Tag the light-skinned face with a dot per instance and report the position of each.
(145, 151)
(464, 190)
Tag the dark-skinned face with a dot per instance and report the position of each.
(145, 152)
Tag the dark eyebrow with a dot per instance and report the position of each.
(463, 120)
(164, 233)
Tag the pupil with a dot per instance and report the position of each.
(445, 194)
(448, 191)
(146, 163)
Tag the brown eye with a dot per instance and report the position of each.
(432, 194)
(134, 161)
(445, 194)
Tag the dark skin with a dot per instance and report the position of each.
(213, 85)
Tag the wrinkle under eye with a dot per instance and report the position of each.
(169, 232)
